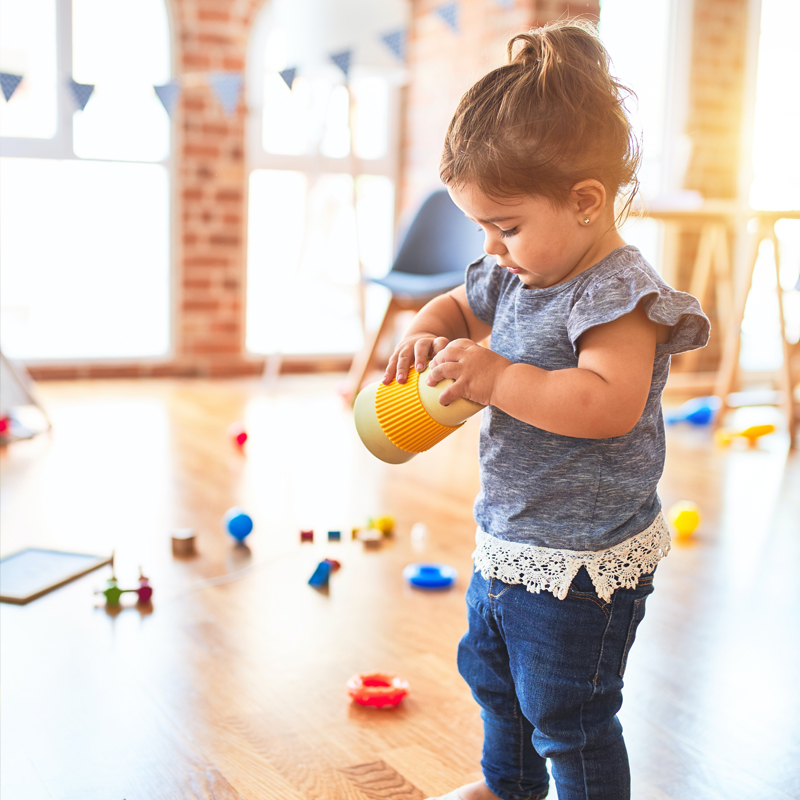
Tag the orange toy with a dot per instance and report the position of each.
(751, 434)
(397, 421)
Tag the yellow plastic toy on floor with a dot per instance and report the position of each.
(399, 420)
(752, 434)
(684, 517)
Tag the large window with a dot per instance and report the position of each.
(84, 194)
(322, 145)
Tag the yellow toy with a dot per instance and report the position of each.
(397, 421)
(685, 517)
(752, 434)
(384, 524)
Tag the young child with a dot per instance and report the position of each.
(572, 440)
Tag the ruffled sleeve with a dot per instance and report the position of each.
(484, 282)
(617, 294)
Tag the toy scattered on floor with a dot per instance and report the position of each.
(751, 434)
(334, 536)
(237, 523)
(370, 537)
(307, 536)
(397, 421)
(113, 593)
(430, 576)
(384, 524)
(323, 572)
(237, 433)
(698, 411)
(420, 536)
(377, 689)
(183, 542)
(684, 517)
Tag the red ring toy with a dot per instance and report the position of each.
(377, 689)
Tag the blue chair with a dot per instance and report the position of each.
(433, 254)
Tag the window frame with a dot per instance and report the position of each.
(313, 165)
(61, 148)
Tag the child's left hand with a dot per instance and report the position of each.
(474, 369)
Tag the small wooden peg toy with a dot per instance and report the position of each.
(307, 536)
(183, 542)
(370, 537)
(397, 421)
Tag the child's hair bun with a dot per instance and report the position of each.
(557, 48)
(552, 116)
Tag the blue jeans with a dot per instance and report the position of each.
(547, 674)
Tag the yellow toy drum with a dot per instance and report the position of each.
(397, 421)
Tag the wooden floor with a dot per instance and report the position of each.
(233, 684)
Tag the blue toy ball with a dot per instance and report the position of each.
(237, 523)
(430, 576)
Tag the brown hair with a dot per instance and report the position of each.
(552, 116)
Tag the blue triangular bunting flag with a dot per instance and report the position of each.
(288, 76)
(9, 84)
(449, 13)
(227, 88)
(396, 42)
(342, 60)
(168, 95)
(81, 92)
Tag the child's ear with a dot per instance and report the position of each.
(587, 199)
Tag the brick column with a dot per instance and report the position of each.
(443, 64)
(211, 35)
(714, 123)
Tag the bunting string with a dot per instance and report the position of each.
(227, 87)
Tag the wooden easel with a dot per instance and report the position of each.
(716, 219)
(728, 373)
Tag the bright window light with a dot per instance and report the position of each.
(640, 62)
(776, 155)
(85, 259)
(124, 119)
(28, 48)
(303, 259)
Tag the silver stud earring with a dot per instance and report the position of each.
(586, 220)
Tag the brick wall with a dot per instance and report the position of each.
(715, 120)
(211, 35)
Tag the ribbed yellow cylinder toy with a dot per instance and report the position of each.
(397, 421)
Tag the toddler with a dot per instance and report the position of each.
(570, 528)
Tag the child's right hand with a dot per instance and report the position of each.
(414, 350)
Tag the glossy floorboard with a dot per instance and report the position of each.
(232, 685)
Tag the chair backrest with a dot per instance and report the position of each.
(439, 239)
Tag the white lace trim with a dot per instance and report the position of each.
(552, 570)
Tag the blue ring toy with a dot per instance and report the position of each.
(430, 576)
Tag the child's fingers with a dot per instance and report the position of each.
(439, 344)
(425, 348)
(388, 375)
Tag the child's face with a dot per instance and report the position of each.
(541, 243)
